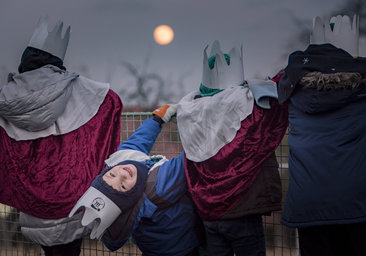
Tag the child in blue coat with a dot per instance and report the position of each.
(143, 196)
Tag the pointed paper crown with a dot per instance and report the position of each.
(51, 42)
(340, 32)
(225, 72)
(97, 208)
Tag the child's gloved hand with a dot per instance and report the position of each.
(166, 112)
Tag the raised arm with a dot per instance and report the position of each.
(145, 135)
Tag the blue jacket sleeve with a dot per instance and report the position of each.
(171, 183)
(143, 138)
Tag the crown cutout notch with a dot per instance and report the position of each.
(340, 31)
(100, 218)
(222, 75)
(51, 42)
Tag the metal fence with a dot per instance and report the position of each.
(280, 240)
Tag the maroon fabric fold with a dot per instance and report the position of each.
(218, 183)
(45, 177)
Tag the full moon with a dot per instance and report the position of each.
(163, 34)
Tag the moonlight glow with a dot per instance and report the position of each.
(163, 34)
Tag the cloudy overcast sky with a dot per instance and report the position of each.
(108, 32)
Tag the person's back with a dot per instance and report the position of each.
(55, 126)
(230, 130)
(326, 93)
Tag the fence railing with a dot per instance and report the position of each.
(280, 240)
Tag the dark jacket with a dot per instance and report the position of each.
(265, 194)
(327, 138)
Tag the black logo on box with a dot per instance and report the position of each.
(98, 204)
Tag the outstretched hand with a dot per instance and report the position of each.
(166, 112)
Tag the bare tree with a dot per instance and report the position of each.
(148, 88)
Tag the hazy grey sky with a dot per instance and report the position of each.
(107, 32)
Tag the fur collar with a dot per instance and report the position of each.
(322, 81)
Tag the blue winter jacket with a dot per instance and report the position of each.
(327, 141)
(166, 227)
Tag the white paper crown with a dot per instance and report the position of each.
(340, 32)
(223, 75)
(99, 208)
(51, 42)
